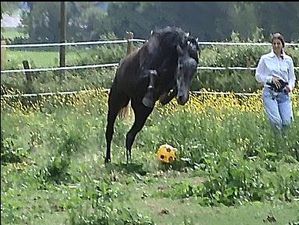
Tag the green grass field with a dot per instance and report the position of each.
(12, 32)
(237, 172)
(52, 169)
(41, 59)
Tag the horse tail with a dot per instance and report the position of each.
(125, 111)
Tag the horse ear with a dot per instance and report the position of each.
(187, 34)
(179, 50)
(152, 32)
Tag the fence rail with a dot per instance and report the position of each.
(116, 64)
(61, 68)
(107, 90)
(67, 44)
(133, 40)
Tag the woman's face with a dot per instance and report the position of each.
(277, 45)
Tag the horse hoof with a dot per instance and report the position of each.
(148, 102)
(107, 161)
(148, 99)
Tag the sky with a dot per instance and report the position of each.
(10, 21)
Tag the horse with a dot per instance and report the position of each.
(166, 63)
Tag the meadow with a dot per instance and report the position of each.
(11, 33)
(231, 169)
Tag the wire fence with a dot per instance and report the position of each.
(201, 92)
(116, 64)
(107, 90)
(134, 40)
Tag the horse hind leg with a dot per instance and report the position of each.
(141, 113)
(115, 104)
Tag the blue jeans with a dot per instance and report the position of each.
(278, 108)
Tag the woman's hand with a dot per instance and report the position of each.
(287, 89)
(275, 81)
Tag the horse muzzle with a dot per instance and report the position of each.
(182, 99)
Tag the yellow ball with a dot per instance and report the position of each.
(166, 153)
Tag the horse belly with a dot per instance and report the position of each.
(130, 81)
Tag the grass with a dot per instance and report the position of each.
(12, 32)
(55, 172)
(41, 59)
(61, 174)
(51, 206)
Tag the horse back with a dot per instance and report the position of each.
(128, 74)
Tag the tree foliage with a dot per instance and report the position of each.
(43, 21)
(9, 7)
(209, 21)
(279, 17)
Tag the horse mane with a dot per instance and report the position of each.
(161, 46)
(193, 48)
(169, 37)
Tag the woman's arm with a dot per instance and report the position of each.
(291, 75)
(260, 73)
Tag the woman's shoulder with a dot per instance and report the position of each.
(267, 55)
(287, 57)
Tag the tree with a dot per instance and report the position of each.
(9, 7)
(203, 19)
(280, 17)
(243, 17)
(42, 21)
(85, 21)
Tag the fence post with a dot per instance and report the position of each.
(2, 54)
(129, 35)
(28, 76)
(62, 25)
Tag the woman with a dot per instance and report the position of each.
(275, 71)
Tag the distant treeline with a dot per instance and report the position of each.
(209, 21)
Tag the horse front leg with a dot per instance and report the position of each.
(148, 99)
(167, 97)
(141, 113)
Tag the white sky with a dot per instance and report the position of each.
(10, 21)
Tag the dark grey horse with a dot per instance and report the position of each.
(165, 64)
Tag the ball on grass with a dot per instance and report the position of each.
(166, 153)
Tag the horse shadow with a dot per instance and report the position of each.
(128, 168)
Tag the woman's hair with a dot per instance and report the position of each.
(278, 36)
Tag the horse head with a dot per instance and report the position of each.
(186, 68)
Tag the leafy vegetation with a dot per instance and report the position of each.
(228, 156)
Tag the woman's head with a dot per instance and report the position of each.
(278, 42)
